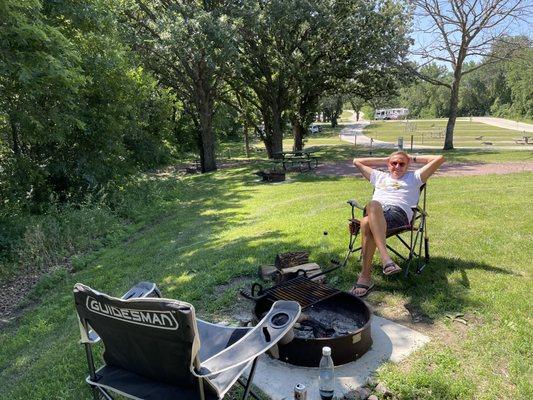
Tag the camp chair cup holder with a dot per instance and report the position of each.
(279, 321)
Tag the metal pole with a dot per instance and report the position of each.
(250, 379)
(371, 141)
(412, 142)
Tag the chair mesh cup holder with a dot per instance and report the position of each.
(279, 321)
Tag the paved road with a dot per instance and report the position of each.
(505, 123)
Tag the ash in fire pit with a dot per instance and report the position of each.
(320, 321)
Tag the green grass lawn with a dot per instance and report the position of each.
(431, 133)
(201, 238)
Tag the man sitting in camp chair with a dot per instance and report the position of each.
(395, 192)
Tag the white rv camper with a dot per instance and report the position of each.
(391, 113)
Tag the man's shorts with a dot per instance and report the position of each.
(395, 216)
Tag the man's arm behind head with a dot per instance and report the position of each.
(364, 165)
(432, 164)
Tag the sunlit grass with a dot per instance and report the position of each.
(431, 133)
(197, 234)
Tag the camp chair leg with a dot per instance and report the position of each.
(395, 252)
(105, 394)
(426, 249)
(247, 389)
(201, 388)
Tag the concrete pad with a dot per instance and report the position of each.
(391, 341)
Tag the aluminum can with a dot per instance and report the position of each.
(300, 392)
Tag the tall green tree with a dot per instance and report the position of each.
(292, 52)
(347, 44)
(40, 78)
(77, 111)
(187, 46)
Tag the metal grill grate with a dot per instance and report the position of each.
(302, 290)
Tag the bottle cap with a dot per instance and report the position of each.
(326, 351)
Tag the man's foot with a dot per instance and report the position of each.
(391, 268)
(361, 289)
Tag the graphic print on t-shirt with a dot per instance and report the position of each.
(390, 184)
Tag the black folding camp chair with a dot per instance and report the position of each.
(155, 348)
(417, 242)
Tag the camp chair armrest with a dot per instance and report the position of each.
(270, 330)
(419, 210)
(355, 204)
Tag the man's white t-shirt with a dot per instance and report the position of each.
(403, 192)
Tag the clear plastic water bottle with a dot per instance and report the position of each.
(324, 246)
(326, 377)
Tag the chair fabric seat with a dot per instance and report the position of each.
(397, 230)
(136, 386)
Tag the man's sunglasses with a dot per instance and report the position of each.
(397, 164)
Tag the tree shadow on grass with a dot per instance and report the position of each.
(433, 294)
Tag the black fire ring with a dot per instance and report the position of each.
(341, 322)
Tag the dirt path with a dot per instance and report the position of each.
(449, 169)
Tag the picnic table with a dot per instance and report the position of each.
(299, 158)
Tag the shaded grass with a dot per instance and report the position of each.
(194, 234)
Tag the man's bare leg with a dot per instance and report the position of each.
(368, 249)
(378, 226)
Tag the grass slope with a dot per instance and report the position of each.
(198, 235)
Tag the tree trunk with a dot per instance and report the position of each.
(454, 100)
(298, 132)
(204, 105)
(246, 141)
(277, 129)
(15, 136)
(273, 136)
(208, 158)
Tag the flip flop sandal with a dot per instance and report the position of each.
(367, 288)
(391, 268)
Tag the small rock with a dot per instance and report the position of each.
(363, 392)
(382, 389)
(351, 395)
(224, 323)
(373, 397)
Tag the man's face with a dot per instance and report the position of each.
(398, 165)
